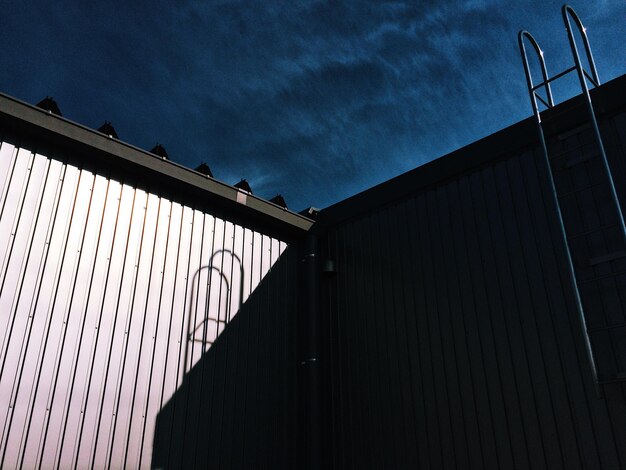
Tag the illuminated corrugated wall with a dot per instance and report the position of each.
(109, 296)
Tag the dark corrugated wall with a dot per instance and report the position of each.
(454, 340)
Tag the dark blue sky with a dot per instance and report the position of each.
(316, 100)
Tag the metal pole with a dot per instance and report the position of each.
(311, 365)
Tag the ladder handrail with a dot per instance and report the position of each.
(529, 80)
(550, 177)
(568, 11)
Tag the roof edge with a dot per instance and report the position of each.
(518, 137)
(28, 123)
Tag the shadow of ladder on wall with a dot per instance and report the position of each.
(589, 214)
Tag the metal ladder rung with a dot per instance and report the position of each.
(606, 258)
(576, 130)
(607, 327)
(572, 162)
(580, 190)
(558, 75)
(618, 377)
(590, 232)
(566, 151)
(600, 278)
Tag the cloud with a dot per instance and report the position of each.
(313, 99)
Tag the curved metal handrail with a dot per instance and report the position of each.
(568, 11)
(544, 72)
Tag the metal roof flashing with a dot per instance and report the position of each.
(95, 151)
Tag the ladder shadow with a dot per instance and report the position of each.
(234, 406)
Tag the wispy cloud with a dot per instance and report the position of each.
(312, 99)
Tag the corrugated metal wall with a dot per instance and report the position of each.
(238, 406)
(454, 340)
(110, 297)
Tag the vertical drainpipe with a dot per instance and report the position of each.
(313, 451)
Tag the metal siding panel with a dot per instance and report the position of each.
(362, 331)
(8, 153)
(16, 260)
(352, 243)
(11, 209)
(113, 405)
(449, 346)
(354, 357)
(89, 262)
(53, 368)
(505, 305)
(448, 209)
(148, 310)
(484, 430)
(163, 335)
(500, 450)
(232, 366)
(16, 265)
(176, 340)
(399, 285)
(75, 419)
(389, 277)
(573, 392)
(422, 277)
(23, 305)
(243, 345)
(437, 341)
(497, 311)
(237, 278)
(410, 265)
(543, 355)
(348, 396)
(123, 201)
(72, 347)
